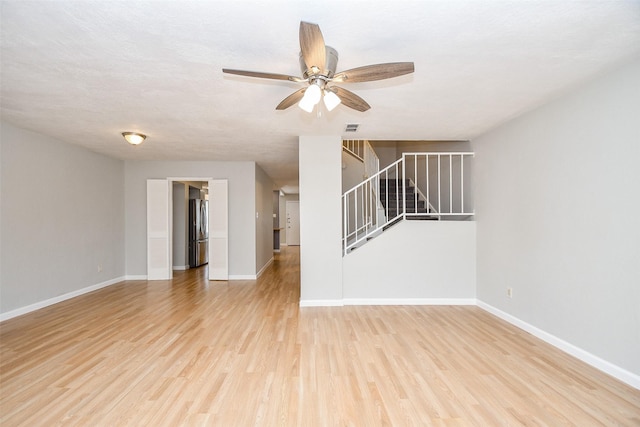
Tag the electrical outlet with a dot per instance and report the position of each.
(99, 268)
(510, 292)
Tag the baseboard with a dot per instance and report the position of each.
(607, 367)
(135, 277)
(387, 301)
(321, 303)
(242, 277)
(262, 270)
(42, 304)
(409, 301)
(180, 267)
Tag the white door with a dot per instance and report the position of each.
(159, 254)
(218, 230)
(293, 223)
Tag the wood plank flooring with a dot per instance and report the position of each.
(193, 352)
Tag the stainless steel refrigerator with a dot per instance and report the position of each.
(198, 232)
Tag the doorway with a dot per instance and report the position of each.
(197, 224)
(293, 223)
(160, 228)
(190, 224)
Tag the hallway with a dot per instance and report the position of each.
(194, 352)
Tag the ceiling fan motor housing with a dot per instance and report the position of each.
(331, 64)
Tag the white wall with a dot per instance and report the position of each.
(1, 198)
(320, 220)
(264, 219)
(242, 230)
(414, 262)
(352, 171)
(557, 203)
(386, 152)
(62, 217)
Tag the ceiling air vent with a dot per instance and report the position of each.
(351, 127)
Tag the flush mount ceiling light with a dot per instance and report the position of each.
(134, 138)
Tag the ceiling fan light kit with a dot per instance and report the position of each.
(331, 100)
(318, 64)
(310, 98)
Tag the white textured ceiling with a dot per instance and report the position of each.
(85, 71)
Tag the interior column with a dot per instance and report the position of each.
(320, 220)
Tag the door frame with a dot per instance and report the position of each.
(209, 180)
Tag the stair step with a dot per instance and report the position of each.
(394, 199)
(391, 213)
(393, 204)
(398, 196)
(393, 182)
(394, 196)
(397, 190)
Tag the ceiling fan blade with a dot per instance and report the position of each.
(370, 73)
(350, 99)
(312, 46)
(294, 98)
(261, 75)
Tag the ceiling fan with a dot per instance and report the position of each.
(318, 65)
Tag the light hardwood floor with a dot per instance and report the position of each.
(193, 352)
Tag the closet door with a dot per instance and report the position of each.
(218, 230)
(158, 230)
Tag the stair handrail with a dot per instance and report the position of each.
(353, 147)
(370, 223)
(377, 174)
(362, 150)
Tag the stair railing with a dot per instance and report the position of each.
(355, 147)
(362, 150)
(372, 167)
(438, 181)
(363, 214)
(442, 179)
(371, 160)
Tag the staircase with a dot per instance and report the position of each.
(415, 205)
(393, 194)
